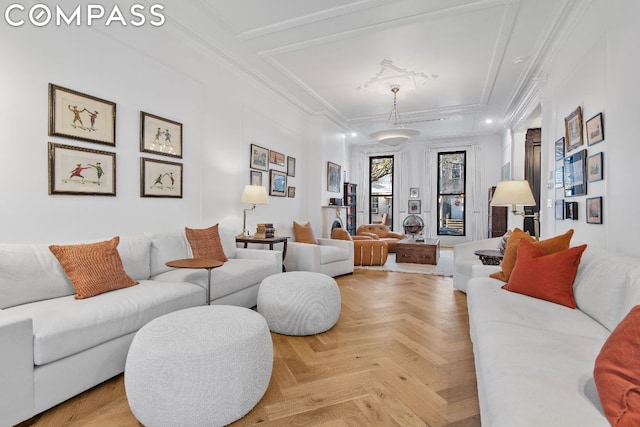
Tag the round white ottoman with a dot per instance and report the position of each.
(202, 366)
(299, 302)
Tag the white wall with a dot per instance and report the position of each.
(222, 112)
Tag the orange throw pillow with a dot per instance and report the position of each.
(548, 277)
(304, 233)
(548, 246)
(616, 372)
(93, 268)
(205, 243)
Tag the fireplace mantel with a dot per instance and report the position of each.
(331, 213)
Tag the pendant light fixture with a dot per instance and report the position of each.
(397, 134)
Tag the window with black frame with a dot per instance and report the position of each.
(381, 190)
(451, 193)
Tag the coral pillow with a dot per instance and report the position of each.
(548, 246)
(205, 243)
(616, 372)
(548, 277)
(93, 268)
(304, 233)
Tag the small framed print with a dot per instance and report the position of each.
(595, 129)
(259, 158)
(333, 177)
(594, 168)
(291, 192)
(255, 178)
(291, 166)
(414, 193)
(571, 210)
(559, 178)
(594, 210)
(81, 171)
(573, 130)
(560, 148)
(560, 209)
(414, 206)
(575, 175)
(79, 116)
(159, 178)
(160, 136)
(277, 183)
(276, 158)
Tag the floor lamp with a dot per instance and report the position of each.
(517, 192)
(255, 195)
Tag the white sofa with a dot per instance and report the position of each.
(332, 257)
(534, 359)
(467, 265)
(54, 346)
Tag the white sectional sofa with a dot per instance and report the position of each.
(535, 359)
(54, 346)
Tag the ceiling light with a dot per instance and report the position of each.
(488, 121)
(398, 133)
(354, 134)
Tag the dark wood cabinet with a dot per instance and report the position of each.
(350, 196)
(497, 217)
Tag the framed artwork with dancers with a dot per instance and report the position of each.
(80, 116)
(160, 136)
(81, 171)
(159, 178)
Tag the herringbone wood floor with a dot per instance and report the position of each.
(399, 355)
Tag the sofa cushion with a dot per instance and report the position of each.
(66, 326)
(93, 268)
(167, 246)
(228, 240)
(205, 243)
(304, 233)
(548, 277)
(616, 372)
(135, 253)
(329, 254)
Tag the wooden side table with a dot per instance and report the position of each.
(206, 263)
(266, 241)
(490, 256)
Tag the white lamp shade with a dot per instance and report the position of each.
(254, 194)
(516, 192)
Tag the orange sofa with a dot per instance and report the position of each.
(381, 232)
(366, 250)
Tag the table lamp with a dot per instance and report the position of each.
(517, 192)
(255, 195)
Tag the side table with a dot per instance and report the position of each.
(490, 256)
(266, 241)
(206, 263)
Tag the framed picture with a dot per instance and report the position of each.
(160, 136)
(255, 177)
(291, 192)
(560, 209)
(560, 149)
(573, 130)
(159, 178)
(277, 183)
(276, 158)
(333, 177)
(81, 171)
(414, 193)
(79, 116)
(594, 168)
(571, 210)
(595, 129)
(594, 210)
(291, 166)
(259, 158)
(575, 182)
(414, 206)
(559, 178)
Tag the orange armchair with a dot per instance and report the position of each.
(367, 251)
(381, 232)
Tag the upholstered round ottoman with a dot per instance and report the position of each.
(299, 302)
(202, 366)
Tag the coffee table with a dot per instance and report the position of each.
(206, 263)
(413, 251)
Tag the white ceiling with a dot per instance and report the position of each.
(480, 56)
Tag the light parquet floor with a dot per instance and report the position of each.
(400, 355)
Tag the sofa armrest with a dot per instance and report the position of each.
(374, 236)
(274, 256)
(303, 256)
(394, 235)
(466, 250)
(362, 238)
(346, 244)
(16, 368)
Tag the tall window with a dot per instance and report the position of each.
(451, 193)
(381, 190)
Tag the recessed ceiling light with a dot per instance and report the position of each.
(488, 121)
(354, 134)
